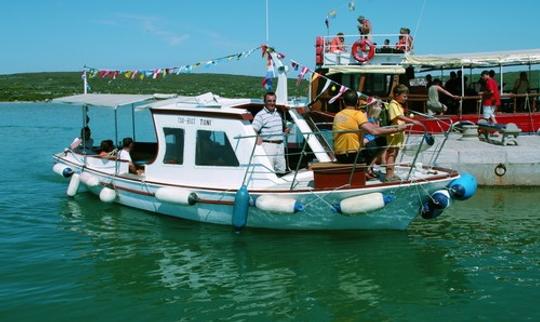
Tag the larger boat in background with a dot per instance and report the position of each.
(205, 166)
(373, 68)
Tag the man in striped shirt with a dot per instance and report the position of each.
(269, 124)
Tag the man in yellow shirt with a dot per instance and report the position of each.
(349, 126)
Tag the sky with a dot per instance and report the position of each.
(65, 35)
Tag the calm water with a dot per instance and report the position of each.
(78, 259)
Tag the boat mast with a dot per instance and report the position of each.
(267, 28)
(85, 82)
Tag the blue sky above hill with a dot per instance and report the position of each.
(65, 35)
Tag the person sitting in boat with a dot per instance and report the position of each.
(490, 97)
(84, 143)
(405, 41)
(348, 141)
(373, 110)
(521, 87)
(106, 149)
(125, 155)
(337, 43)
(386, 49)
(433, 104)
(364, 27)
(269, 124)
(396, 114)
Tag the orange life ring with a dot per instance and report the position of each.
(319, 45)
(363, 50)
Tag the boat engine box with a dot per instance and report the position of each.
(334, 175)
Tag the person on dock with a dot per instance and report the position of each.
(348, 141)
(269, 124)
(396, 114)
(490, 97)
(433, 104)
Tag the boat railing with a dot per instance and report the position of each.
(387, 48)
(472, 104)
(301, 153)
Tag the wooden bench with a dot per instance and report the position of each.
(508, 133)
(334, 175)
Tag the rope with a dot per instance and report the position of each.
(419, 19)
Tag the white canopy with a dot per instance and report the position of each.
(104, 100)
(375, 69)
(504, 58)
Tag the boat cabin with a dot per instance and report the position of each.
(206, 140)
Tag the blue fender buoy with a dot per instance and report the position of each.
(435, 204)
(429, 139)
(464, 187)
(240, 208)
(67, 172)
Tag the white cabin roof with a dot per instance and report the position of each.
(104, 100)
(207, 100)
(504, 58)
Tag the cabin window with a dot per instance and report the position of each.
(174, 146)
(213, 149)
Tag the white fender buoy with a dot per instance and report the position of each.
(364, 203)
(278, 204)
(62, 170)
(107, 195)
(73, 185)
(176, 195)
(89, 180)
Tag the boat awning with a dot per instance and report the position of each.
(375, 69)
(503, 58)
(104, 100)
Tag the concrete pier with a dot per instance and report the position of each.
(491, 164)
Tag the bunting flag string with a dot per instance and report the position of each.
(303, 70)
(157, 73)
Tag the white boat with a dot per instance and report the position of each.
(231, 182)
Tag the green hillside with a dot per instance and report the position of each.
(45, 86)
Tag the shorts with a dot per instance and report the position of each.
(436, 107)
(366, 155)
(488, 111)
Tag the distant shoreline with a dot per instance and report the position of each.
(40, 87)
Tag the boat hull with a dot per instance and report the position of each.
(216, 206)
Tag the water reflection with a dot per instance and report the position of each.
(260, 273)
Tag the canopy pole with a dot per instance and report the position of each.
(529, 71)
(83, 131)
(133, 120)
(502, 78)
(116, 139)
(462, 92)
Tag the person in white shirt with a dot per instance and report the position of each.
(269, 124)
(433, 104)
(124, 155)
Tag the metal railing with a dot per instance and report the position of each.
(303, 153)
